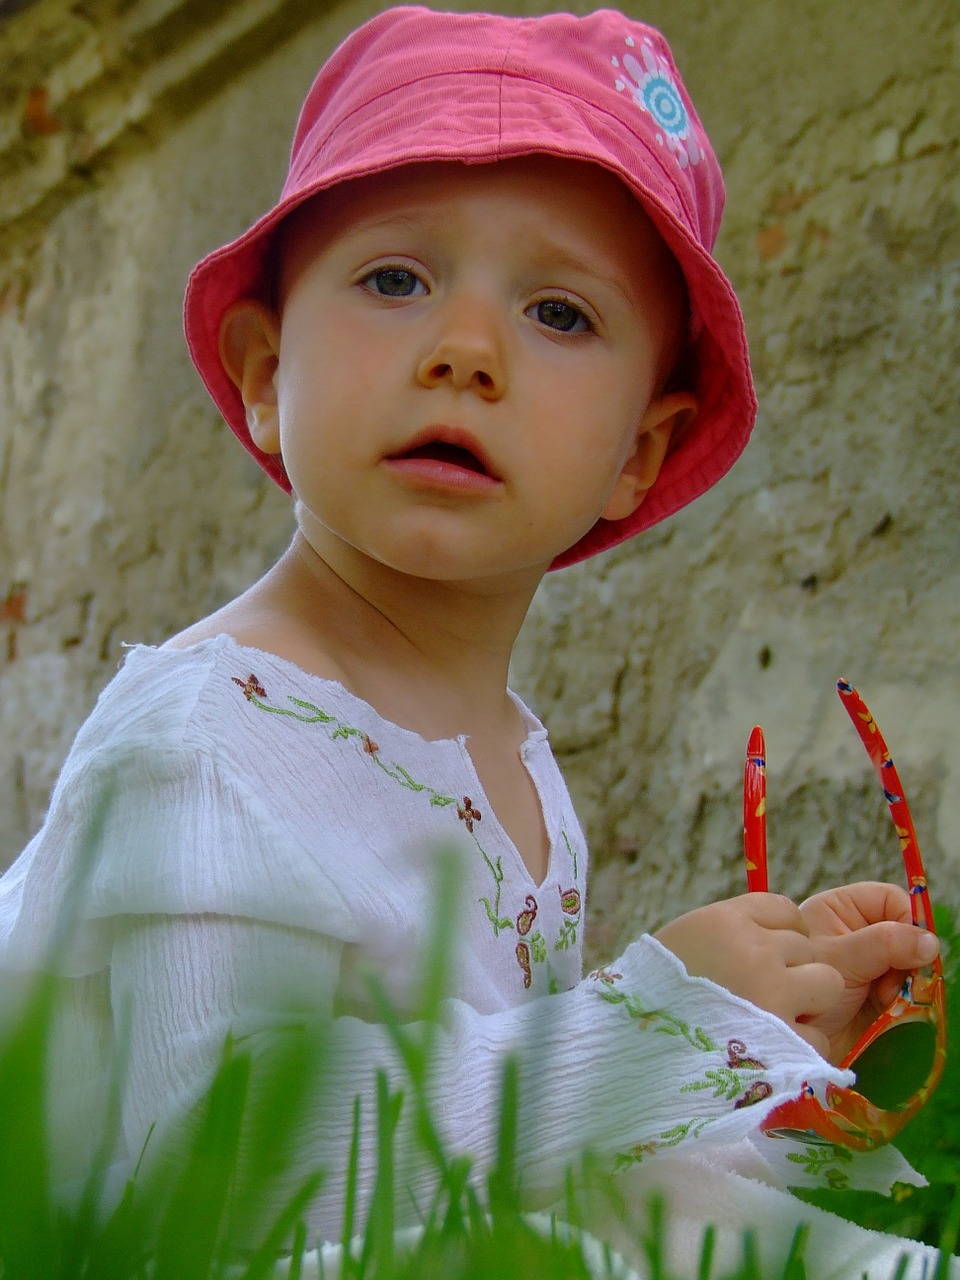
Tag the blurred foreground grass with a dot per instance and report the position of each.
(187, 1222)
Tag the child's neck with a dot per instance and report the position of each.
(431, 656)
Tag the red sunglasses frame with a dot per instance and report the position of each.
(848, 1118)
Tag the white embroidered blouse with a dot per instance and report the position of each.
(242, 829)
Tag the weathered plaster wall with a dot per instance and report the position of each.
(134, 134)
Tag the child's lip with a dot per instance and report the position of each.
(448, 444)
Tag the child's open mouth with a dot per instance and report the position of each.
(453, 454)
(453, 463)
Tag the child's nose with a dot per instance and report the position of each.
(468, 350)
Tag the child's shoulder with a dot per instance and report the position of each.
(181, 679)
(172, 696)
(154, 695)
(197, 692)
(171, 711)
(264, 619)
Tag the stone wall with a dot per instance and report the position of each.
(135, 134)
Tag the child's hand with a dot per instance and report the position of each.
(757, 946)
(865, 932)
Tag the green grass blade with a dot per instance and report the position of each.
(27, 1242)
(288, 1224)
(191, 1232)
(706, 1253)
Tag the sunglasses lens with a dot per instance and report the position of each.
(892, 1069)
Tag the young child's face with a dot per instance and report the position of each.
(463, 373)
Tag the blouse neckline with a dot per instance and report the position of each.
(224, 643)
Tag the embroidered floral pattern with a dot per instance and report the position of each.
(821, 1161)
(571, 904)
(532, 949)
(468, 814)
(536, 950)
(493, 909)
(308, 713)
(567, 937)
(756, 1092)
(605, 975)
(523, 960)
(736, 1056)
(569, 901)
(727, 1081)
(661, 1020)
(668, 1138)
(250, 686)
(737, 1079)
(650, 83)
(526, 917)
(571, 851)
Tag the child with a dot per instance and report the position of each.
(481, 335)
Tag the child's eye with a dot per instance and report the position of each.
(394, 282)
(562, 316)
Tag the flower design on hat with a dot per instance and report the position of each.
(652, 87)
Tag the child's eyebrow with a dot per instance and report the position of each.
(390, 221)
(554, 256)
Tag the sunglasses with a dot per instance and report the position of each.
(900, 1057)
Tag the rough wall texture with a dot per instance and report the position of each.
(135, 134)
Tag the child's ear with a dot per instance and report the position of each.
(664, 416)
(249, 351)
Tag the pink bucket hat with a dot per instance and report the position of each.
(414, 85)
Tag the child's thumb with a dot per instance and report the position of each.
(871, 952)
(928, 946)
(906, 946)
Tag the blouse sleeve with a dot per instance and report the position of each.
(633, 1060)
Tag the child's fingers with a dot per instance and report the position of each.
(757, 946)
(794, 949)
(802, 994)
(886, 989)
(853, 906)
(816, 1039)
(811, 990)
(868, 953)
(776, 911)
